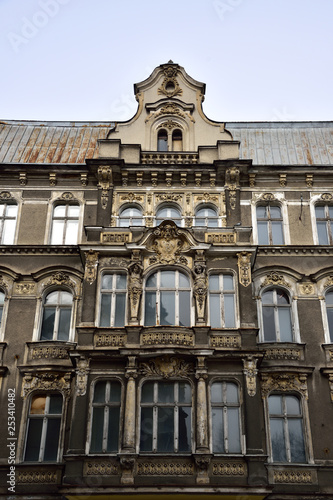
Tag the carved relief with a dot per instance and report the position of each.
(166, 367)
(169, 125)
(309, 180)
(5, 195)
(282, 353)
(104, 176)
(104, 468)
(328, 282)
(116, 238)
(82, 371)
(115, 261)
(47, 382)
(273, 278)
(200, 288)
(268, 197)
(284, 382)
(90, 271)
(232, 178)
(48, 352)
(109, 340)
(306, 289)
(283, 180)
(23, 178)
(225, 341)
(252, 180)
(207, 197)
(34, 477)
(168, 242)
(170, 87)
(229, 469)
(244, 268)
(250, 372)
(169, 197)
(67, 196)
(170, 109)
(232, 198)
(220, 238)
(327, 197)
(163, 468)
(135, 289)
(4, 283)
(25, 288)
(61, 279)
(165, 338)
(294, 476)
(52, 179)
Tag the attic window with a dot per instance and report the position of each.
(162, 140)
(177, 140)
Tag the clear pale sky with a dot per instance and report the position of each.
(261, 60)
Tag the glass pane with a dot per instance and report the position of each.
(320, 212)
(277, 233)
(232, 393)
(275, 212)
(52, 439)
(277, 439)
(262, 233)
(168, 279)
(293, 406)
(59, 211)
(330, 212)
(96, 443)
(113, 430)
(233, 431)
(147, 395)
(282, 297)
(214, 310)
(285, 325)
(184, 281)
(2, 208)
(146, 437)
(105, 310)
(229, 311)
(107, 282)
(99, 392)
(269, 324)
(217, 430)
(184, 309)
(267, 297)
(73, 211)
(2, 298)
(216, 392)
(38, 405)
(184, 428)
(328, 297)
(119, 319)
(1, 311)
(322, 233)
(71, 232)
(262, 212)
(184, 392)
(152, 281)
(52, 298)
(297, 448)
(214, 283)
(330, 322)
(228, 282)
(115, 391)
(55, 406)
(48, 324)
(212, 223)
(11, 211)
(8, 232)
(275, 405)
(165, 429)
(57, 232)
(33, 440)
(64, 323)
(150, 308)
(65, 298)
(167, 308)
(121, 281)
(123, 222)
(166, 392)
(199, 222)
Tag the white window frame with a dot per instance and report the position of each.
(180, 219)
(176, 290)
(44, 426)
(66, 218)
(329, 231)
(208, 217)
(113, 292)
(323, 306)
(4, 217)
(225, 420)
(280, 201)
(130, 217)
(221, 293)
(175, 405)
(58, 306)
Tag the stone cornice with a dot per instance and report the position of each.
(39, 250)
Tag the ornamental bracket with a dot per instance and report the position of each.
(104, 176)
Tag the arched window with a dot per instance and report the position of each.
(206, 216)
(2, 303)
(130, 216)
(105, 417)
(324, 221)
(43, 428)
(65, 224)
(166, 414)
(270, 225)
(8, 215)
(286, 428)
(222, 303)
(162, 140)
(168, 299)
(276, 316)
(226, 434)
(177, 140)
(329, 311)
(113, 300)
(57, 316)
(168, 212)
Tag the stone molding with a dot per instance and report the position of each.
(229, 469)
(101, 468)
(110, 339)
(226, 341)
(292, 476)
(167, 338)
(284, 382)
(165, 468)
(35, 477)
(166, 367)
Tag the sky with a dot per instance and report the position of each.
(77, 60)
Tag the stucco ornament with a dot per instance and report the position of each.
(168, 242)
(135, 289)
(82, 371)
(250, 372)
(90, 271)
(244, 268)
(275, 278)
(284, 382)
(47, 382)
(166, 367)
(104, 176)
(200, 288)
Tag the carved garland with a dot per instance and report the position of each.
(166, 367)
(274, 278)
(284, 382)
(47, 382)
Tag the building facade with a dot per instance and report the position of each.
(166, 301)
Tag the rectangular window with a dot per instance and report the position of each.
(105, 417)
(226, 435)
(113, 300)
(8, 216)
(222, 307)
(65, 224)
(269, 225)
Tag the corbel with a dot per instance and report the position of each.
(23, 178)
(168, 179)
(53, 179)
(104, 176)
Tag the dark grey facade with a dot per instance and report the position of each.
(166, 299)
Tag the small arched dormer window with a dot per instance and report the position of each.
(177, 140)
(162, 140)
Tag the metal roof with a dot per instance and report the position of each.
(266, 143)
